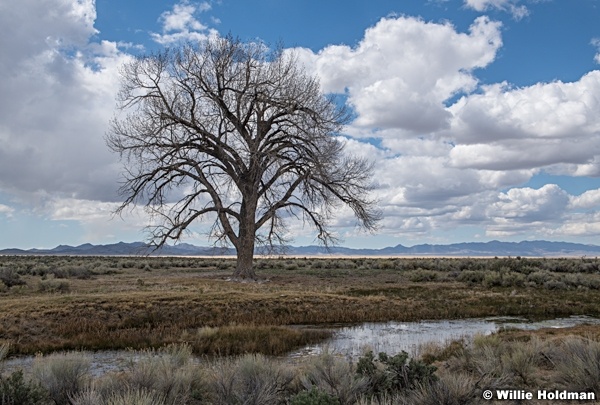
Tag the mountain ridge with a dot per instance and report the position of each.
(535, 248)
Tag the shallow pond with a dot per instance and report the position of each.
(353, 341)
(393, 337)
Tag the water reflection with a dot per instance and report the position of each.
(393, 337)
(353, 341)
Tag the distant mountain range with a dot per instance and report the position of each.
(471, 249)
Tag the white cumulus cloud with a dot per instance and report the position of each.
(404, 69)
(518, 12)
(547, 124)
(58, 94)
(181, 23)
(588, 199)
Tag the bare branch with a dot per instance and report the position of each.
(234, 132)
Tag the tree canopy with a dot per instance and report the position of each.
(241, 136)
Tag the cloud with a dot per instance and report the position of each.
(548, 124)
(579, 225)
(181, 24)
(404, 69)
(58, 93)
(445, 145)
(587, 200)
(72, 209)
(528, 212)
(547, 203)
(441, 165)
(446, 174)
(6, 210)
(95, 219)
(596, 43)
(510, 6)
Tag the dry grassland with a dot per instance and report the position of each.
(62, 303)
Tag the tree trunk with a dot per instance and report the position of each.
(247, 234)
(245, 256)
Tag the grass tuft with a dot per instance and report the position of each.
(62, 375)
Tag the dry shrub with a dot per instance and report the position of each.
(482, 360)
(577, 364)
(250, 379)
(63, 374)
(168, 373)
(336, 377)
(4, 347)
(127, 397)
(54, 286)
(521, 360)
(449, 389)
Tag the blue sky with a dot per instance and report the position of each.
(482, 116)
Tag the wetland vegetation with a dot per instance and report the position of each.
(179, 307)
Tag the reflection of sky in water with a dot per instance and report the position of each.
(353, 341)
(393, 337)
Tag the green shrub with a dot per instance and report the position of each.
(10, 277)
(387, 264)
(539, 277)
(15, 390)
(492, 279)
(54, 286)
(313, 397)
(471, 277)
(389, 375)
(421, 275)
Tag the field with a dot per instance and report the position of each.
(170, 308)
(60, 303)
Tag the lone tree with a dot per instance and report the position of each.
(234, 133)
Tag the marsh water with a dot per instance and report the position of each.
(394, 337)
(353, 341)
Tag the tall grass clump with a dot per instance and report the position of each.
(4, 347)
(335, 377)
(126, 397)
(250, 379)
(62, 375)
(522, 359)
(482, 360)
(450, 389)
(577, 363)
(168, 374)
(241, 339)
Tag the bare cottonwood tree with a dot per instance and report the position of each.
(238, 134)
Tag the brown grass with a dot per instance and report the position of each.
(114, 303)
